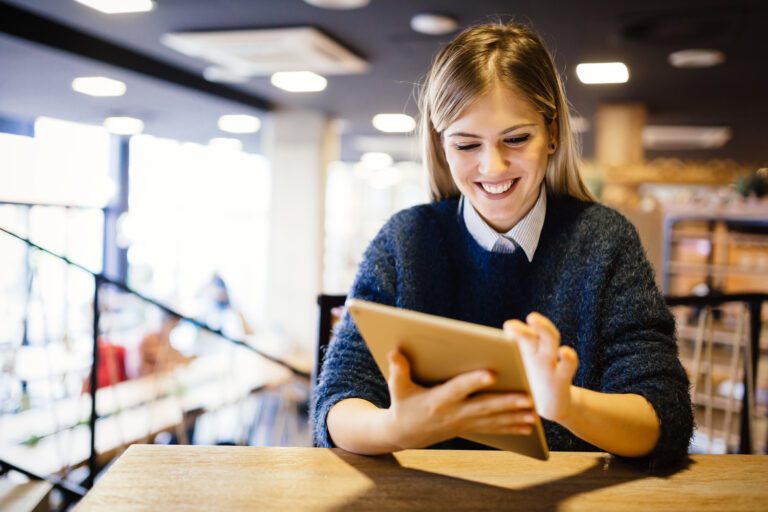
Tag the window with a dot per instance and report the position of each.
(196, 211)
(358, 202)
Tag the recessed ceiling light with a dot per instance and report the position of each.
(238, 123)
(698, 58)
(338, 4)
(223, 75)
(602, 73)
(119, 6)
(434, 24)
(98, 86)
(376, 160)
(299, 81)
(124, 125)
(394, 123)
(226, 143)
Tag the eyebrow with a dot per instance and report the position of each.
(472, 135)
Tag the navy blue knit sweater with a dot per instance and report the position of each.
(589, 275)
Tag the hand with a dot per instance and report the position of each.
(550, 367)
(419, 416)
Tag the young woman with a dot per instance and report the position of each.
(513, 239)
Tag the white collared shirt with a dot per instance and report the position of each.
(524, 234)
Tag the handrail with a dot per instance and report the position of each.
(51, 205)
(100, 279)
(71, 491)
(124, 287)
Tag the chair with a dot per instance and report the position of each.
(326, 304)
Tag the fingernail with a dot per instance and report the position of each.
(487, 378)
(528, 418)
(523, 402)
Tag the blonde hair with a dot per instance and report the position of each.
(467, 68)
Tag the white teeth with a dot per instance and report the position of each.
(497, 188)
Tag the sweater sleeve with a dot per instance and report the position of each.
(349, 370)
(641, 354)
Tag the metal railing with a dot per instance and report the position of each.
(99, 280)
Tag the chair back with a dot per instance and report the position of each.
(325, 303)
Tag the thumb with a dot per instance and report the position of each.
(399, 373)
(567, 363)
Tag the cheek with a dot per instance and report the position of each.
(458, 163)
(533, 160)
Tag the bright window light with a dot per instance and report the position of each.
(376, 160)
(238, 123)
(299, 81)
(394, 123)
(603, 73)
(119, 6)
(98, 86)
(124, 125)
(226, 143)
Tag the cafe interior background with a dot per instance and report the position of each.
(227, 162)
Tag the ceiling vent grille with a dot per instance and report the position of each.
(265, 51)
(685, 137)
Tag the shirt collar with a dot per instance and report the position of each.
(525, 233)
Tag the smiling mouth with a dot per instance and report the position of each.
(498, 188)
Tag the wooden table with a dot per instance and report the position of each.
(253, 478)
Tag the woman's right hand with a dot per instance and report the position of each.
(419, 416)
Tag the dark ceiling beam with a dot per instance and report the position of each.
(26, 25)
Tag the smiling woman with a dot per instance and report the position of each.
(513, 239)
(497, 151)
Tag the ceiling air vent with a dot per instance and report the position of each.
(265, 51)
(685, 137)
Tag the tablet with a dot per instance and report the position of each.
(441, 348)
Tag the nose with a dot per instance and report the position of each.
(493, 161)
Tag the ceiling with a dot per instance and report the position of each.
(44, 44)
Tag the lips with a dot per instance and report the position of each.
(497, 190)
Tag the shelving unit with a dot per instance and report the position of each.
(724, 248)
(715, 251)
(715, 348)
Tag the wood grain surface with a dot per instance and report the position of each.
(253, 478)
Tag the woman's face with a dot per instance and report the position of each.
(497, 151)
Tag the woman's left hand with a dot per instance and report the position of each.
(550, 366)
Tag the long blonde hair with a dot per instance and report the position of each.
(467, 68)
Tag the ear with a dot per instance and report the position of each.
(554, 130)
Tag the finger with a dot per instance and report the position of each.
(568, 362)
(399, 373)
(519, 328)
(509, 422)
(549, 336)
(463, 385)
(510, 430)
(526, 337)
(486, 404)
(538, 320)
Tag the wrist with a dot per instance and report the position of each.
(571, 410)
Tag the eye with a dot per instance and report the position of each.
(517, 139)
(467, 147)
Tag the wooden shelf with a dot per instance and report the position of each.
(679, 267)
